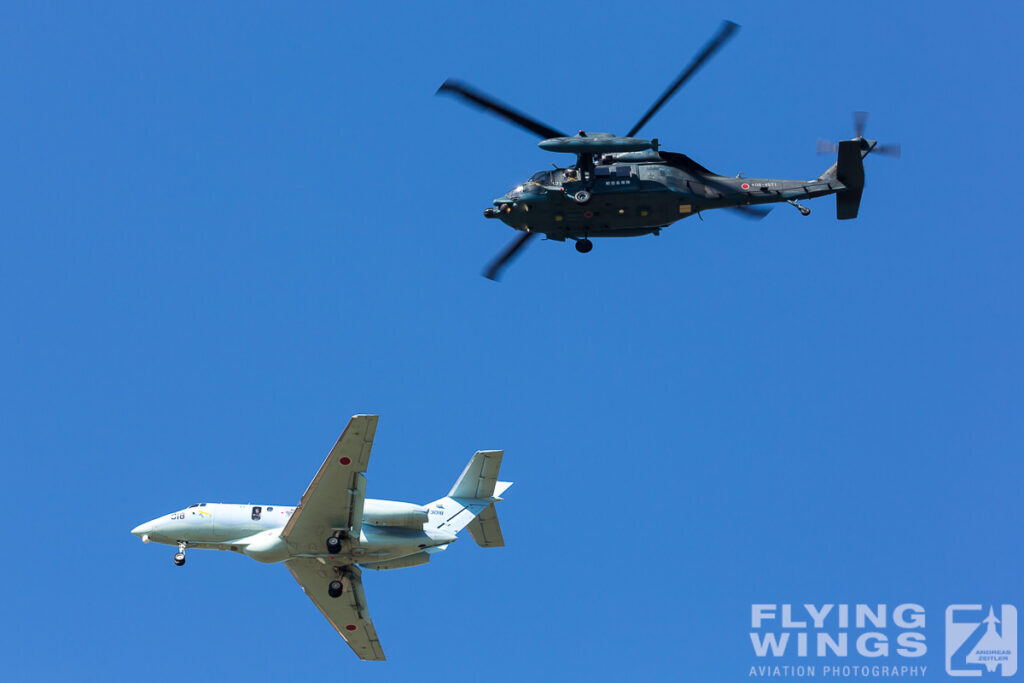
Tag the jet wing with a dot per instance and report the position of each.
(347, 613)
(334, 499)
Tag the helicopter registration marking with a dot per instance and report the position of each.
(616, 182)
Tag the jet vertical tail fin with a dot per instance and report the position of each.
(471, 501)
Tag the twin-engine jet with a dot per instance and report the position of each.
(335, 530)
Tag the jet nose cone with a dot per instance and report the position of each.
(142, 529)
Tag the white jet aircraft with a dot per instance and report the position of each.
(335, 530)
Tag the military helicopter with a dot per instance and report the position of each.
(626, 186)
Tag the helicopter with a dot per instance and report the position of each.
(626, 186)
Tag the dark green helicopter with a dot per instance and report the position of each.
(626, 186)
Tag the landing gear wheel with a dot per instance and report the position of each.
(804, 211)
(179, 559)
(333, 545)
(581, 197)
(335, 589)
(584, 245)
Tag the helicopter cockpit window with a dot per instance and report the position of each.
(194, 505)
(542, 177)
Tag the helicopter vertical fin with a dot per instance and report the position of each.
(850, 172)
(847, 204)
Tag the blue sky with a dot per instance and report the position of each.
(227, 229)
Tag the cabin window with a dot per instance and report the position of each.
(542, 178)
(603, 171)
(256, 512)
(270, 509)
(622, 171)
(194, 505)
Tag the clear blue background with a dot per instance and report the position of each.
(228, 228)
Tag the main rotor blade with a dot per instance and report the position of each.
(752, 212)
(728, 28)
(494, 268)
(477, 98)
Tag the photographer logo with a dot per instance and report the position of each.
(981, 641)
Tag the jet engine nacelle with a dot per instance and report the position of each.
(266, 546)
(393, 513)
(399, 562)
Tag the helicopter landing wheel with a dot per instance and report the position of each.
(179, 559)
(335, 589)
(581, 197)
(804, 211)
(584, 245)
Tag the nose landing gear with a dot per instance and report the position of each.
(584, 245)
(179, 557)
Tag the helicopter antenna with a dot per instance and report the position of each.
(724, 33)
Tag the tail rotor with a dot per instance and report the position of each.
(860, 119)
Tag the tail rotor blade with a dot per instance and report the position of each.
(892, 150)
(724, 33)
(495, 267)
(860, 118)
(478, 99)
(827, 147)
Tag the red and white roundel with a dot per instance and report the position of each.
(745, 186)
